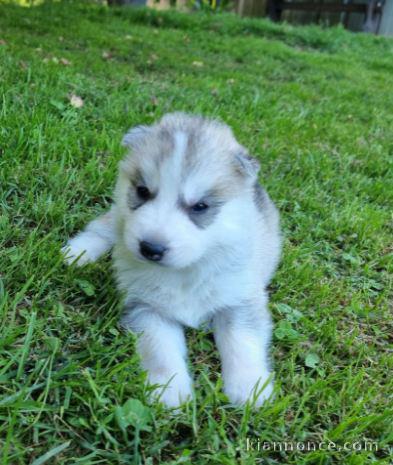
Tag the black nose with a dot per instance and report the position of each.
(153, 252)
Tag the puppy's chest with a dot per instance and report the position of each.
(190, 298)
(191, 303)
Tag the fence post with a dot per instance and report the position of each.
(251, 7)
(160, 5)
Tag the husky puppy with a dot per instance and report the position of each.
(195, 239)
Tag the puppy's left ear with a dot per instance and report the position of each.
(135, 136)
(247, 165)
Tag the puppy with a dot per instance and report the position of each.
(195, 239)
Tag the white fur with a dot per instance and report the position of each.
(89, 245)
(217, 273)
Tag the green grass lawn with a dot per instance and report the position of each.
(316, 107)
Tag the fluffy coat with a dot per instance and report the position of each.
(189, 190)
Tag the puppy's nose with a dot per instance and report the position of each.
(153, 252)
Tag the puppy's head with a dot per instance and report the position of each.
(178, 186)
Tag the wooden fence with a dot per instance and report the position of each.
(242, 7)
(362, 15)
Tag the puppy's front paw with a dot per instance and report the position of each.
(83, 248)
(172, 393)
(246, 387)
(72, 255)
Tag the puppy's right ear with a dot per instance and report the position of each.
(135, 136)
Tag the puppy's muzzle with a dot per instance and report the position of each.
(153, 252)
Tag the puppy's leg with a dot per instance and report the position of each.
(162, 348)
(242, 336)
(96, 239)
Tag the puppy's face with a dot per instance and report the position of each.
(177, 189)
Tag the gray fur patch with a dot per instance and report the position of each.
(204, 218)
(166, 145)
(194, 134)
(245, 315)
(247, 164)
(135, 135)
(131, 311)
(133, 200)
(266, 206)
(261, 198)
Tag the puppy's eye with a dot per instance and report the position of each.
(199, 207)
(143, 192)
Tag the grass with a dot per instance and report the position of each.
(316, 107)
